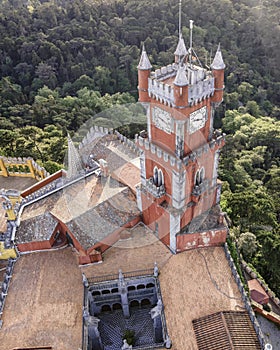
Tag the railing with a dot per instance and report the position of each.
(198, 189)
(156, 191)
(112, 277)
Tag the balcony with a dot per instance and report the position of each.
(156, 191)
(199, 189)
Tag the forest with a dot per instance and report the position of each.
(63, 62)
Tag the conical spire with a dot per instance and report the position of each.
(144, 63)
(74, 165)
(218, 62)
(181, 47)
(181, 77)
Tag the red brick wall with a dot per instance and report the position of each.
(143, 76)
(199, 240)
(42, 183)
(219, 85)
(32, 246)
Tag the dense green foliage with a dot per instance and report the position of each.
(62, 62)
(250, 169)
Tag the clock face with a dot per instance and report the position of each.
(198, 119)
(162, 119)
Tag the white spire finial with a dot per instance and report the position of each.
(190, 50)
(180, 17)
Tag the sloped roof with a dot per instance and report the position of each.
(231, 330)
(38, 228)
(257, 292)
(218, 62)
(144, 63)
(97, 223)
(181, 47)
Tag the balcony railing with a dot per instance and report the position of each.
(156, 191)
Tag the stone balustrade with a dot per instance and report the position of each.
(156, 191)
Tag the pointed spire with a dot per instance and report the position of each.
(181, 77)
(144, 63)
(218, 62)
(74, 165)
(181, 47)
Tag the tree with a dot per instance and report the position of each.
(247, 243)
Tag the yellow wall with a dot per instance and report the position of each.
(6, 253)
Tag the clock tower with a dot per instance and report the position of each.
(179, 192)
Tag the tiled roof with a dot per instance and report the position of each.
(97, 223)
(92, 209)
(231, 330)
(38, 228)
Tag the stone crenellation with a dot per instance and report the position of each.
(5, 285)
(244, 296)
(22, 167)
(144, 142)
(94, 132)
(201, 84)
(99, 131)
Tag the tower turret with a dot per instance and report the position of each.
(181, 51)
(218, 70)
(144, 70)
(181, 87)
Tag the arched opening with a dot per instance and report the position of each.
(150, 285)
(141, 286)
(106, 291)
(160, 178)
(95, 293)
(134, 303)
(129, 288)
(197, 178)
(117, 306)
(202, 174)
(145, 302)
(155, 176)
(106, 308)
(114, 290)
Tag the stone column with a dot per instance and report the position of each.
(156, 317)
(123, 292)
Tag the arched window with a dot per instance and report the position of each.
(158, 178)
(117, 306)
(106, 308)
(155, 175)
(134, 303)
(199, 176)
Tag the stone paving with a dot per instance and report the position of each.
(113, 325)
